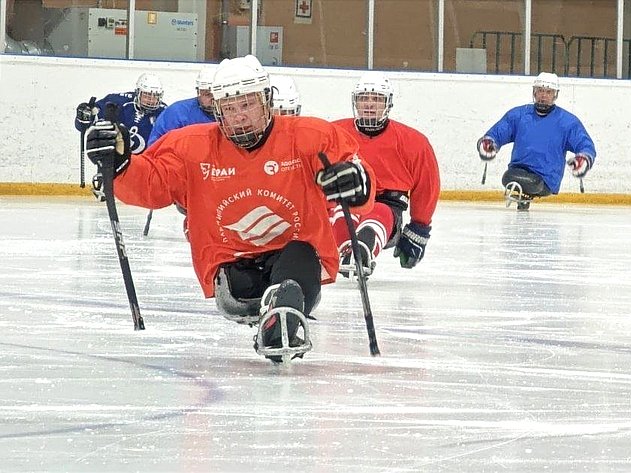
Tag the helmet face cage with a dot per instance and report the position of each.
(244, 119)
(371, 109)
(372, 101)
(149, 93)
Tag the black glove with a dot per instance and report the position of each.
(84, 114)
(411, 245)
(345, 181)
(107, 145)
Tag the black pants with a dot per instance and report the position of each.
(531, 184)
(248, 278)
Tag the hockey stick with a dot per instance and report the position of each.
(82, 155)
(486, 164)
(145, 232)
(107, 173)
(581, 186)
(361, 279)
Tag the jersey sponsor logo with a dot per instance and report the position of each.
(270, 168)
(274, 167)
(217, 174)
(260, 226)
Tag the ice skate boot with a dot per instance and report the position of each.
(514, 193)
(282, 317)
(347, 261)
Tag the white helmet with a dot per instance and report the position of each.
(372, 84)
(243, 79)
(547, 80)
(285, 96)
(203, 85)
(149, 93)
(204, 79)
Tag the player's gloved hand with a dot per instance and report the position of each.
(84, 114)
(107, 145)
(487, 148)
(580, 164)
(345, 181)
(411, 245)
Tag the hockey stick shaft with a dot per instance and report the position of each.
(581, 186)
(145, 231)
(108, 190)
(82, 147)
(361, 278)
(486, 165)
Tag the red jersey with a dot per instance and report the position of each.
(403, 160)
(243, 203)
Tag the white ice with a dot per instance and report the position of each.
(506, 350)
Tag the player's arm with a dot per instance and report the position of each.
(153, 179)
(410, 247)
(581, 144)
(348, 178)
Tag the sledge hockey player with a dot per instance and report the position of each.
(286, 99)
(542, 133)
(188, 111)
(137, 110)
(256, 194)
(406, 173)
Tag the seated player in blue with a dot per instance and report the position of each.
(542, 133)
(137, 110)
(188, 111)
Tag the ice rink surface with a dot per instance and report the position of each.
(508, 349)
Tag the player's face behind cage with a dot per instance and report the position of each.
(544, 95)
(149, 100)
(205, 99)
(370, 108)
(244, 118)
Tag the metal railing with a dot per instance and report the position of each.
(580, 56)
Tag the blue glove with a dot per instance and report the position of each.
(108, 145)
(411, 245)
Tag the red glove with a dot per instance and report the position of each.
(580, 164)
(487, 148)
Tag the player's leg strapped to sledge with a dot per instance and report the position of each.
(277, 290)
(378, 230)
(521, 185)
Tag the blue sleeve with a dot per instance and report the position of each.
(503, 131)
(160, 127)
(579, 140)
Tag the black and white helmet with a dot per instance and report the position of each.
(372, 86)
(149, 93)
(242, 81)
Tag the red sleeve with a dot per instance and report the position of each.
(155, 178)
(426, 189)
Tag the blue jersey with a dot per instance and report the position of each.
(178, 115)
(540, 143)
(138, 123)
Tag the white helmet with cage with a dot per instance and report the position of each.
(372, 100)
(286, 98)
(149, 93)
(545, 81)
(242, 93)
(203, 86)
